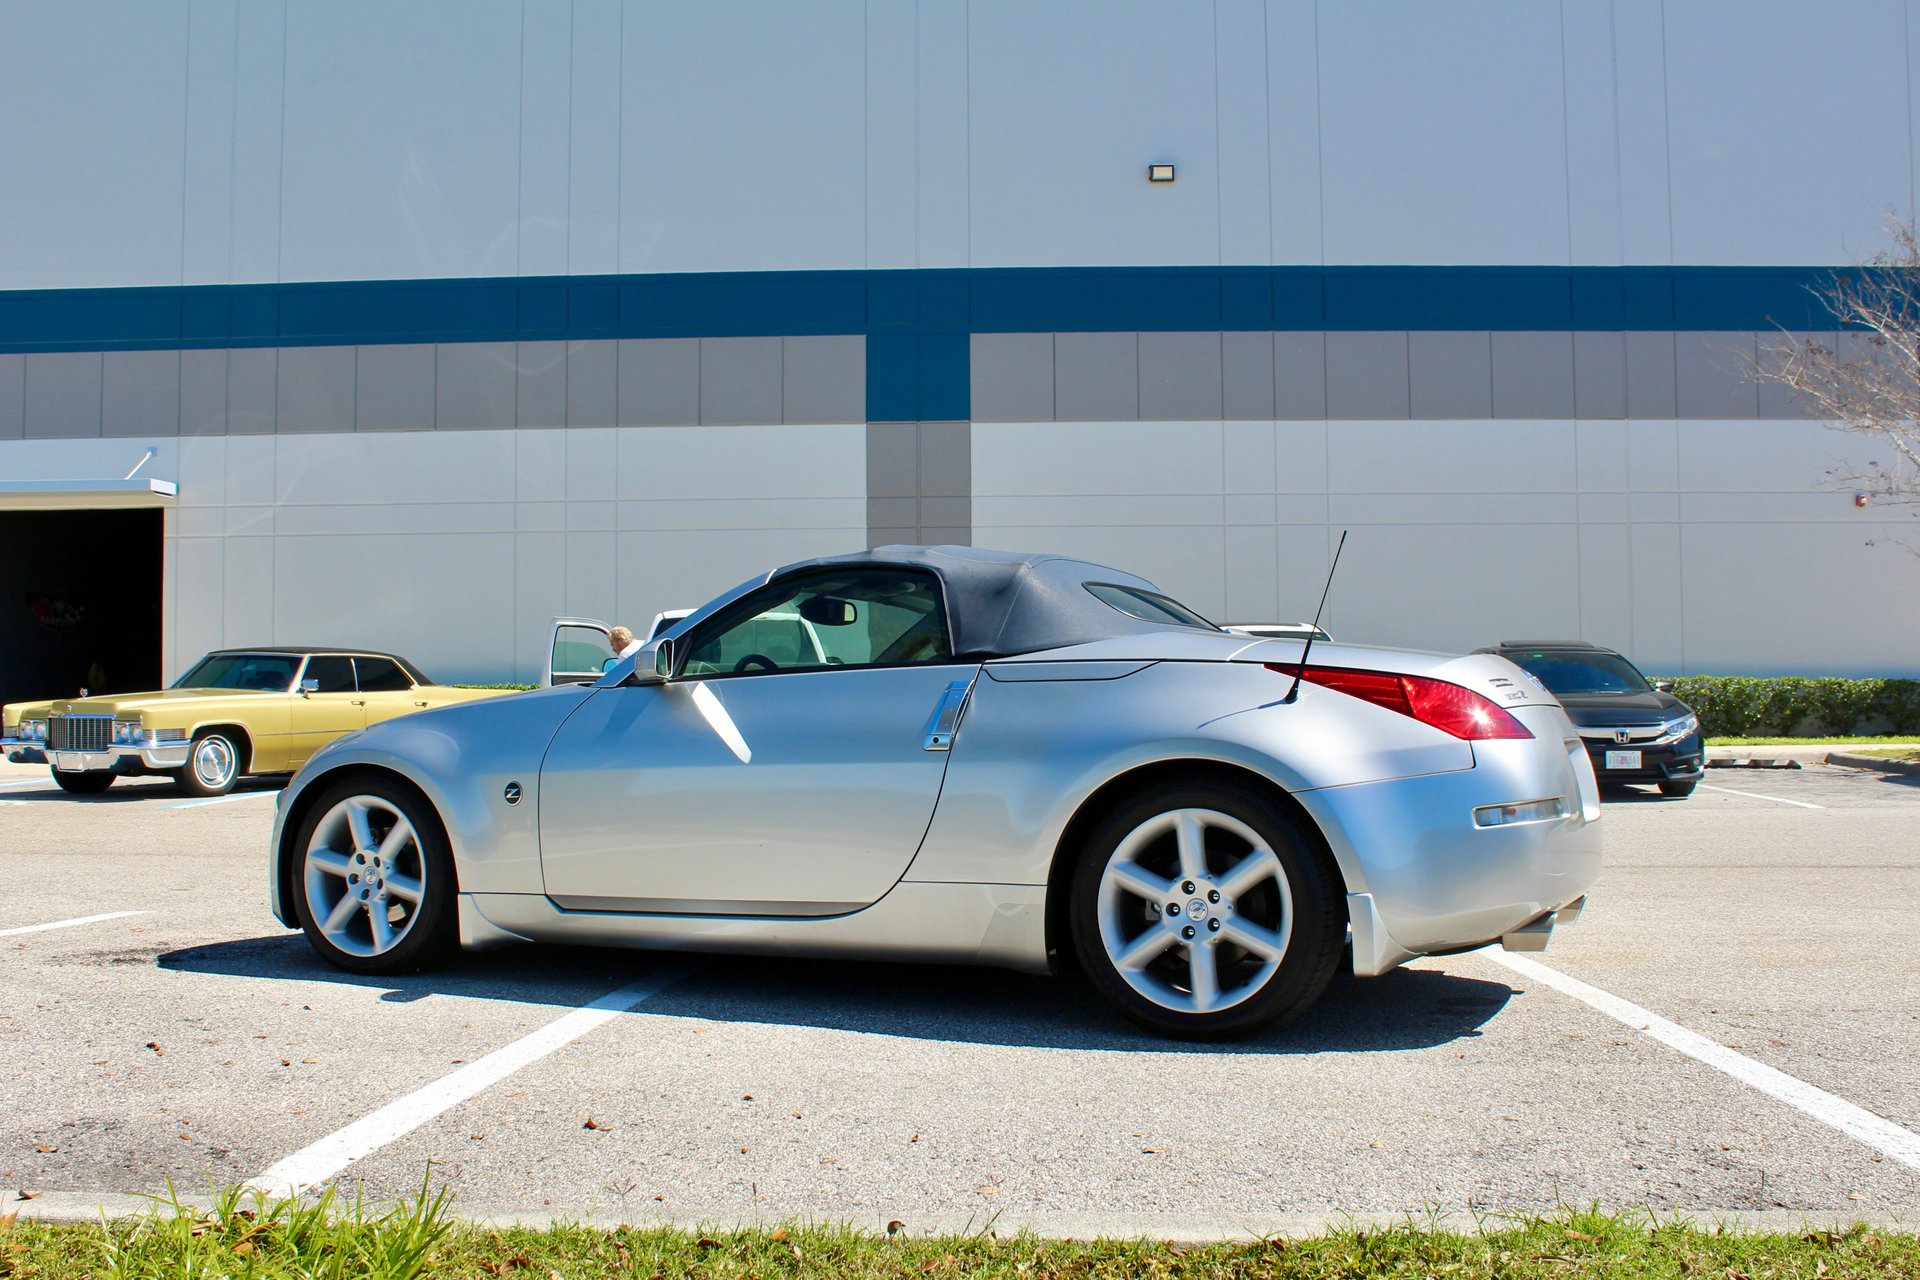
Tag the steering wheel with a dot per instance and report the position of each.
(756, 662)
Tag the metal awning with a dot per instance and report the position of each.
(56, 495)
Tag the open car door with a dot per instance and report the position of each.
(578, 650)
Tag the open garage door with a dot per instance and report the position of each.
(79, 601)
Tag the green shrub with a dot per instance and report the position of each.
(1800, 706)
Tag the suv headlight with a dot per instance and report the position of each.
(1674, 730)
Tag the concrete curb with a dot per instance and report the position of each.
(1785, 755)
(1847, 760)
(78, 1206)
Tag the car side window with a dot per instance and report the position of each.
(381, 675)
(334, 674)
(843, 618)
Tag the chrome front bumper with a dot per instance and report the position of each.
(119, 757)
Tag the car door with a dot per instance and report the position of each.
(327, 705)
(578, 650)
(385, 689)
(787, 770)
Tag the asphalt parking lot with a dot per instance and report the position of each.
(193, 1039)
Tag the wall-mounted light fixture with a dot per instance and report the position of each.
(1159, 173)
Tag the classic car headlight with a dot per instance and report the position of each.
(126, 731)
(33, 730)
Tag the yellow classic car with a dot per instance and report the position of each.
(235, 712)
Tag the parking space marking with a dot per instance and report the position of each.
(238, 795)
(68, 924)
(316, 1163)
(1755, 795)
(41, 783)
(1830, 1109)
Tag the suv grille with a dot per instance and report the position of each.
(79, 733)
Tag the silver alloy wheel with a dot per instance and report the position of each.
(214, 761)
(366, 875)
(1199, 926)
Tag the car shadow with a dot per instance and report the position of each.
(1407, 1009)
(131, 790)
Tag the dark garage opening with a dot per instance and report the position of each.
(79, 602)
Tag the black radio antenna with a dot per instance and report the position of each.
(1301, 670)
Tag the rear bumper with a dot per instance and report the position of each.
(1426, 878)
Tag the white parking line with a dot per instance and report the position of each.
(1830, 1109)
(68, 924)
(1755, 795)
(238, 795)
(41, 783)
(320, 1161)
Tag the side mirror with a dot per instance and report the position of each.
(309, 686)
(1663, 686)
(653, 664)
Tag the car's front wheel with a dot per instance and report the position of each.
(213, 764)
(1679, 790)
(1199, 910)
(374, 888)
(90, 783)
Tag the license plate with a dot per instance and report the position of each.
(1623, 759)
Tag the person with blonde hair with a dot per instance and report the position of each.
(624, 642)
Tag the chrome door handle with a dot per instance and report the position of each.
(357, 702)
(946, 716)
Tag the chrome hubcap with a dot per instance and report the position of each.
(1194, 909)
(213, 761)
(365, 875)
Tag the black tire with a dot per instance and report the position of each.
(1308, 957)
(90, 783)
(215, 761)
(1679, 790)
(429, 929)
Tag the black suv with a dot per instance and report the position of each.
(1635, 731)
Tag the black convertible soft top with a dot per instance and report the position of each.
(1003, 603)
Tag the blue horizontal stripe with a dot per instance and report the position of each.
(930, 303)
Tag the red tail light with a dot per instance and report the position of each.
(1447, 707)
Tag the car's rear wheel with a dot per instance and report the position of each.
(374, 889)
(213, 764)
(1678, 790)
(90, 783)
(1199, 910)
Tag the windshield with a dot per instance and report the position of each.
(1577, 673)
(264, 672)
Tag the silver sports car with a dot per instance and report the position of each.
(956, 755)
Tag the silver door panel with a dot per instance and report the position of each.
(796, 794)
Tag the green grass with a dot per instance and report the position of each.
(1889, 753)
(1837, 741)
(249, 1236)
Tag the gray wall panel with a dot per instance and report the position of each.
(203, 393)
(593, 372)
(1096, 377)
(253, 387)
(13, 396)
(946, 460)
(314, 390)
(1650, 375)
(659, 382)
(1600, 375)
(945, 512)
(893, 460)
(542, 387)
(740, 380)
(474, 386)
(893, 513)
(824, 379)
(63, 394)
(1712, 375)
(1012, 377)
(1367, 375)
(1180, 376)
(393, 388)
(1299, 375)
(1533, 375)
(140, 394)
(1450, 375)
(1246, 375)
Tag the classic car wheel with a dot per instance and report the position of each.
(213, 764)
(376, 883)
(1200, 911)
(90, 783)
